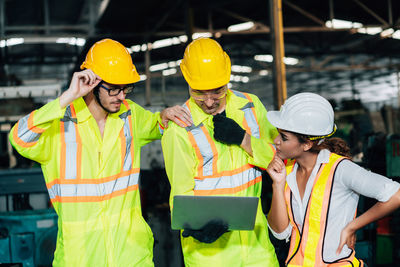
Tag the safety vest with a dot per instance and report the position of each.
(209, 181)
(92, 181)
(306, 247)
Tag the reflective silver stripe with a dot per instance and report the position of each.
(229, 181)
(249, 115)
(71, 146)
(93, 190)
(24, 133)
(128, 140)
(204, 147)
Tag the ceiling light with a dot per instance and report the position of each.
(265, 58)
(201, 35)
(161, 66)
(241, 26)
(270, 58)
(387, 33)
(71, 41)
(239, 78)
(396, 35)
(238, 68)
(370, 30)
(342, 24)
(263, 73)
(168, 72)
(290, 60)
(11, 42)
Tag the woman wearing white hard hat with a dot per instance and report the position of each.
(316, 186)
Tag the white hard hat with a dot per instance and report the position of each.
(305, 113)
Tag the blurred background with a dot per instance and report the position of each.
(347, 51)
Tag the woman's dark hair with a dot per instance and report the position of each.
(333, 144)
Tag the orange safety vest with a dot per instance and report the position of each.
(306, 247)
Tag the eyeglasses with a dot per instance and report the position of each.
(203, 96)
(114, 91)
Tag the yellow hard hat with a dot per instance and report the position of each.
(205, 65)
(112, 62)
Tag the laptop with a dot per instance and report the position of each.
(195, 211)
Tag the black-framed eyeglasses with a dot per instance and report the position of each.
(114, 91)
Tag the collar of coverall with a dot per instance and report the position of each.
(233, 102)
(83, 113)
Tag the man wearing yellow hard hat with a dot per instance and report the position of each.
(217, 155)
(88, 144)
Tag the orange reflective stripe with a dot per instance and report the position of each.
(18, 140)
(126, 137)
(295, 237)
(204, 147)
(232, 190)
(25, 134)
(92, 189)
(213, 149)
(95, 198)
(198, 153)
(33, 128)
(195, 146)
(229, 183)
(92, 181)
(226, 173)
(246, 126)
(250, 122)
(252, 109)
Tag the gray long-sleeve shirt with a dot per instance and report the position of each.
(350, 181)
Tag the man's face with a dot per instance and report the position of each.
(210, 101)
(111, 96)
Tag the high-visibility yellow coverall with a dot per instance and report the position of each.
(92, 181)
(197, 164)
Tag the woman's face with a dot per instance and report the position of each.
(288, 145)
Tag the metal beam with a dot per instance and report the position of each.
(148, 77)
(278, 52)
(244, 19)
(46, 14)
(162, 20)
(331, 12)
(26, 28)
(390, 12)
(384, 22)
(303, 12)
(2, 17)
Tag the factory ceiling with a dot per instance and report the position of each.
(44, 41)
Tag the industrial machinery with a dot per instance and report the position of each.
(27, 237)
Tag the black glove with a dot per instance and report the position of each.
(209, 233)
(227, 130)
